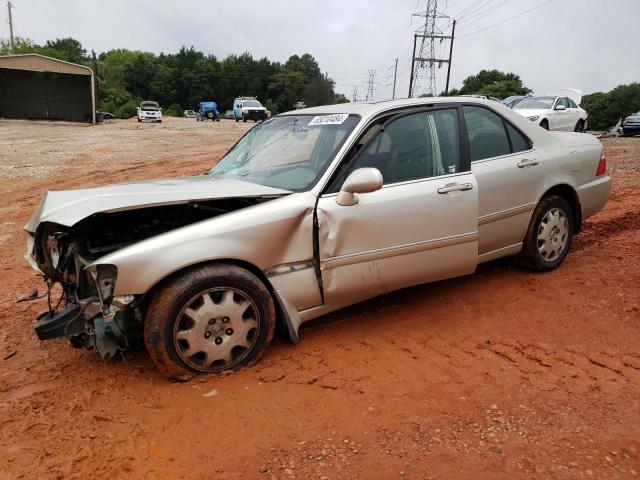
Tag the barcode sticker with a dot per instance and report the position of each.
(336, 119)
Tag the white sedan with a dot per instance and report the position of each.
(555, 112)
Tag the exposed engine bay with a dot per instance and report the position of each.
(87, 313)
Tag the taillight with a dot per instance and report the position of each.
(602, 165)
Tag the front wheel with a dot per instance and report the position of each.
(549, 235)
(209, 319)
(545, 124)
(579, 126)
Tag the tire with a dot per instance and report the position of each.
(139, 121)
(545, 124)
(579, 126)
(173, 337)
(549, 235)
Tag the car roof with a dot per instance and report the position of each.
(365, 109)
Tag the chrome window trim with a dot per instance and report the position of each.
(533, 149)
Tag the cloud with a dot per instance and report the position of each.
(586, 44)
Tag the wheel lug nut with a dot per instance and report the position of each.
(218, 340)
(225, 319)
(229, 331)
(207, 334)
(212, 321)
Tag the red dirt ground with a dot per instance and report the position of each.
(504, 374)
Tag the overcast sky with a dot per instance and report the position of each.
(592, 45)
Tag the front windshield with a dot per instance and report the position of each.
(149, 106)
(535, 103)
(288, 152)
(251, 103)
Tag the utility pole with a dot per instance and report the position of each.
(95, 76)
(395, 77)
(453, 34)
(355, 94)
(425, 60)
(11, 42)
(372, 75)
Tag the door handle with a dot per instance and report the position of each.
(527, 163)
(458, 187)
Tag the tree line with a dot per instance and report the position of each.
(179, 81)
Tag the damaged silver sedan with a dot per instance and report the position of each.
(309, 212)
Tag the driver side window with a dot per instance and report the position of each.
(414, 147)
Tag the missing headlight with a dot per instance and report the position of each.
(105, 277)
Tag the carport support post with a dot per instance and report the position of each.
(93, 97)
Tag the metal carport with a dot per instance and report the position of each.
(33, 86)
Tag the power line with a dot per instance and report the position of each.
(507, 19)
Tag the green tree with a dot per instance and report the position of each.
(493, 83)
(68, 49)
(605, 109)
(21, 46)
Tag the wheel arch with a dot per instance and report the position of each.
(571, 196)
(284, 322)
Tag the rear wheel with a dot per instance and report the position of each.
(207, 320)
(579, 126)
(545, 124)
(549, 235)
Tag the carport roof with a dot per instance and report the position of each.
(40, 63)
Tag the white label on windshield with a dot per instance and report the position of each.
(336, 119)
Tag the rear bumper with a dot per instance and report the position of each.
(594, 195)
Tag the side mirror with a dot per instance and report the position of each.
(362, 180)
(159, 109)
(560, 107)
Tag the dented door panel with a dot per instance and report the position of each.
(402, 235)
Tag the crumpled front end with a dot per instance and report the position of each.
(71, 232)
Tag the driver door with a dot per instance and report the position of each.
(421, 226)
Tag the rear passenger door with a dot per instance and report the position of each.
(510, 178)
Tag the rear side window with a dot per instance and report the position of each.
(486, 132)
(572, 103)
(518, 141)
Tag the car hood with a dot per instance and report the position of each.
(70, 206)
(530, 112)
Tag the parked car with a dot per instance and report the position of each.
(555, 112)
(189, 114)
(309, 212)
(248, 108)
(149, 111)
(208, 110)
(631, 125)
